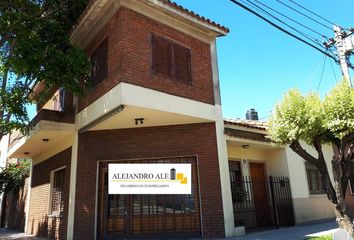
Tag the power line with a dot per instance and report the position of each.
(334, 74)
(297, 22)
(312, 39)
(323, 68)
(330, 22)
(303, 14)
(283, 30)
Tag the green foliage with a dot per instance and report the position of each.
(297, 117)
(308, 118)
(339, 110)
(35, 45)
(13, 176)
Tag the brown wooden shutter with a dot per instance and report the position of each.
(161, 56)
(182, 63)
(99, 68)
(58, 192)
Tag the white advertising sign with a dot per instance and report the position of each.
(150, 178)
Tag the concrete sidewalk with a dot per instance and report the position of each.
(290, 233)
(293, 233)
(10, 234)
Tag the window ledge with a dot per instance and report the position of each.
(55, 216)
(318, 195)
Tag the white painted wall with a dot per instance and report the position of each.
(296, 165)
(308, 207)
(4, 145)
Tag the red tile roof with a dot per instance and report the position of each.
(171, 4)
(195, 15)
(255, 124)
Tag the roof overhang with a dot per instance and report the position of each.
(99, 12)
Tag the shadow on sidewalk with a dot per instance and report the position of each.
(10, 234)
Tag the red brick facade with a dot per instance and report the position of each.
(130, 58)
(153, 142)
(39, 223)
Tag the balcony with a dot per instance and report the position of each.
(53, 124)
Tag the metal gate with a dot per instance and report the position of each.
(261, 211)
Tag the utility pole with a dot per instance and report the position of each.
(344, 43)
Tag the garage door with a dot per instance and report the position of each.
(148, 215)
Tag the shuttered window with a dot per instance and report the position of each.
(171, 59)
(57, 204)
(99, 66)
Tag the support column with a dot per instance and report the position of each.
(228, 211)
(28, 199)
(72, 190)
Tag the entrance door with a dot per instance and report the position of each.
(260, 195)
(148, 215)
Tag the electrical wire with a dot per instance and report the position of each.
(282, 29)
(297, 4)
(323, 68)
(297, 22)
(334, 74)
(312, 39)
(303, 14)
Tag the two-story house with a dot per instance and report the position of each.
(155, 99)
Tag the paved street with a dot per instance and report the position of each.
(290, 233)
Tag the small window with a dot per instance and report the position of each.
(171, 59)
(57, 194)
(99, 66)
(314, 179)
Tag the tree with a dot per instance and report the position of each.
(34, 46)
(12, 177)
(318, 122)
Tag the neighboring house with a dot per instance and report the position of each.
(252, 158)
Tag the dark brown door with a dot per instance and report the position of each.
(260, 194)
(113, 210)
(149, 215)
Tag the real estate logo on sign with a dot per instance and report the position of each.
(149, 178)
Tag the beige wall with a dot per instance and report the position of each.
(308, 207)
(272, 158)
(313, 208)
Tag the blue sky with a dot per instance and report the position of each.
(258, 63)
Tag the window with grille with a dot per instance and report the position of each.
(99, 67)
(57, 204)
(238, 192)
(314, 179)
(171, 59)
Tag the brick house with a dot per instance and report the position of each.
(155, 99)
